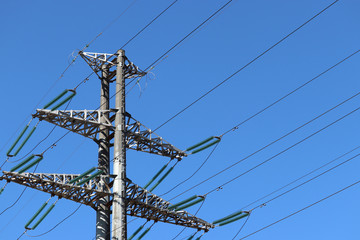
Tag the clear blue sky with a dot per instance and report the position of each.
(38, 38)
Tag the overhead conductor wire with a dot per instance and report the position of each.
(299, 178)
(283, 151)
(307, 181)
(294, 213)
(271, 105)
(301, 184)
(243, 67)
(165, 55)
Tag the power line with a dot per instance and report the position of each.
(285, 150)
(309, 180)
(242, 226)
(303, 176)
(282, 98)
(189, 34)
(294, 213)
(273, 142)
(165, 55)
(290, 93)
(147, 25)
(245, 66)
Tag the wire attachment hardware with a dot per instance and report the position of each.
(156, 175)
(163, 177)
(187, 203)
(23, 142)
(3, 188)
(199, 146)
(232, 218)
(26, 160)
(38, 213)
(84, 177)
(136, 232)
(59, 97)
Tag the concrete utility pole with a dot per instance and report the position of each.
(103, 126)
(119, 190)
(103, 211)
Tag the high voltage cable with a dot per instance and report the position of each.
(291, 132)
(307, 181)
(189, 34)
(147, 25)
(303, 183)
(282, 98)
(138, 33)
(294, 213)
(246, 65)
(290, 93)
(242, 226)
(164, 55)
(275, 141)
(303, 176)
(285, 150)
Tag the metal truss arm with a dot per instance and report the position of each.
(87, 123)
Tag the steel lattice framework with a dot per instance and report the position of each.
(105, 190)
(87, 123)
(96, 60)
(58, 185)
(140, 202)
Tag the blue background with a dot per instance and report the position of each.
(37, 42)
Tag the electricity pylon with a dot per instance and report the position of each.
(117, 128)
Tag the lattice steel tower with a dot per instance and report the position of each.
(117, 128)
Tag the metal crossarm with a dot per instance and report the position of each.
(84, 122)
(58, 185)
(140, 202)
(87, 123)
(144, 204)
(141, 138)
(97, 60)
